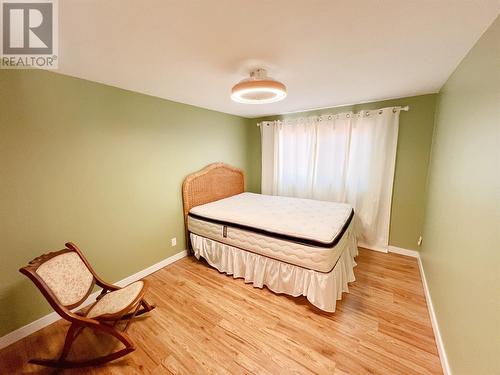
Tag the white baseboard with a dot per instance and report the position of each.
(48, 319)
(155, 267)
(374, 248)
(435, 326)
(401, 251)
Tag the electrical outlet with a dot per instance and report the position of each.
(419, 242)
(174, 241)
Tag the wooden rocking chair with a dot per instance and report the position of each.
(66, 279)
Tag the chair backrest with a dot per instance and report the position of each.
(63, 277)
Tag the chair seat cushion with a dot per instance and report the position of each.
(116, 301)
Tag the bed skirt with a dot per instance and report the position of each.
(321, 289)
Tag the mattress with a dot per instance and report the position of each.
(303, 232)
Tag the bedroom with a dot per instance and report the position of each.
(358, 214)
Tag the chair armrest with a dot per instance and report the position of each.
(105, 286)
(75, 317)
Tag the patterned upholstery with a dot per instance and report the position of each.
(116, 301)
(67, 276)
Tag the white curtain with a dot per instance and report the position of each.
(347, 157)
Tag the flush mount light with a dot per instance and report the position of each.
(258, 89)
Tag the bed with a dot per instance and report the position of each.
(290, 245)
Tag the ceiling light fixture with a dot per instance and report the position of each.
(258, 89)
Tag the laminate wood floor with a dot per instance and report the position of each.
(209, 323)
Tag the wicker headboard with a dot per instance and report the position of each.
(215, 181)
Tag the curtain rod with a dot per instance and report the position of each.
(406, 108)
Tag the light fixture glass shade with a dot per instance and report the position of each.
(258, 89)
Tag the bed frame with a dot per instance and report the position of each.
(215, 181)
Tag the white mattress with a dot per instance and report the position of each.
(295, 217)
(302, 232)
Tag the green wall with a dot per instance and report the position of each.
(461, 248)
(412, 160)
(100, 166)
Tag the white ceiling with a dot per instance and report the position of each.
(328, 52)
